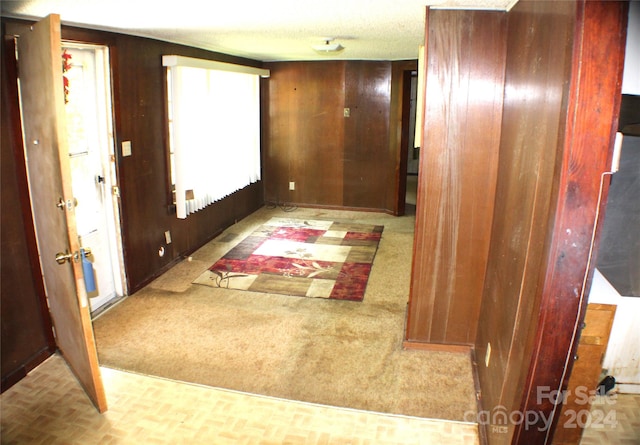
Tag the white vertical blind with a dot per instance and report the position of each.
(215, 134)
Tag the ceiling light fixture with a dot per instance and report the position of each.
(328, 47)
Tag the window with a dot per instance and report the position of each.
(214, 129)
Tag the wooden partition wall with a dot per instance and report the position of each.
(457, 180)
(503, 258)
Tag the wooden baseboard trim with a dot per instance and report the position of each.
(419, 346)
(18, 374)
(330, 207)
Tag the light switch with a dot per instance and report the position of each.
(126, 148)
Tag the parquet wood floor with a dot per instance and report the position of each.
(616, 421)
(49, 407)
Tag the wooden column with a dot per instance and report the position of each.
(565, 277)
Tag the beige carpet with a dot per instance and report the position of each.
(331, 352)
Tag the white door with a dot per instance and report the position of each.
(52, 203)
(91, 156)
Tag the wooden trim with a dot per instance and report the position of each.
(328, 207)
(483, 435)
(399, 118)
(435, 347)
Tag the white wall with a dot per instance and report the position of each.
(631, 76)
(622, 359)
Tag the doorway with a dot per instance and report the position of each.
(93, 169)
(413, 146)
(409, 145)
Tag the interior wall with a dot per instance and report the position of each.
(540, 42)
(335, 160)
(306, 133)
(457, 177)
(27, 336)
(562, 96)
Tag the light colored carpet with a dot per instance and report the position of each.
(331, 352)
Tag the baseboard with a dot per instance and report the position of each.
(18, 374)
(327, 207)
(420, 346)
(628, 388)
(483, 435)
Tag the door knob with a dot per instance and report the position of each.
(63, 257)
(68, 204)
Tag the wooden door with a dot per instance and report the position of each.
(585, 375)
(53, 206)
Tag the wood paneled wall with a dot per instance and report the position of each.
(562, 95)
(456, 185)
(27, 336)
(334, 160)
(521, 110)
(306, 133)
(538, 67)
(138, 81)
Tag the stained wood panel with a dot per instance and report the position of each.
(27, 335)
(590, 125)
(561, 98)
(366, 134)
(306, 125)
(459, 156)
(540, 42)
(335, 161)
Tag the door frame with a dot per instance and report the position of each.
(113, 209)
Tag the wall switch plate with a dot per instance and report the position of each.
(292, 185)
(126, 148)
(167, 236)
(487, 356)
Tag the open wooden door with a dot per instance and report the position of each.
(52, 203)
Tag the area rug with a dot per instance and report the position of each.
(305, 258)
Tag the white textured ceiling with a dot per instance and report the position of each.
(267, 30)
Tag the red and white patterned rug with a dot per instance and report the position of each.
(306, 258)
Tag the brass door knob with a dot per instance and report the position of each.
(63, 257)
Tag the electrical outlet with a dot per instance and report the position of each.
(292, 185)
(487, 356)
(167, 236)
